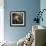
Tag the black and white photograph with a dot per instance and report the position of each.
(17, 18)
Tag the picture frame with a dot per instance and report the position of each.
(17, 18)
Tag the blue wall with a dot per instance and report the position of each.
(43, 6)
(30, 6)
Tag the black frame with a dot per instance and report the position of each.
(24, 19)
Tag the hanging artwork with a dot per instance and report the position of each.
(17, 18)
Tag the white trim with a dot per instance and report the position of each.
(1, 24)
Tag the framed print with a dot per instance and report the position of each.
(17, 18)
